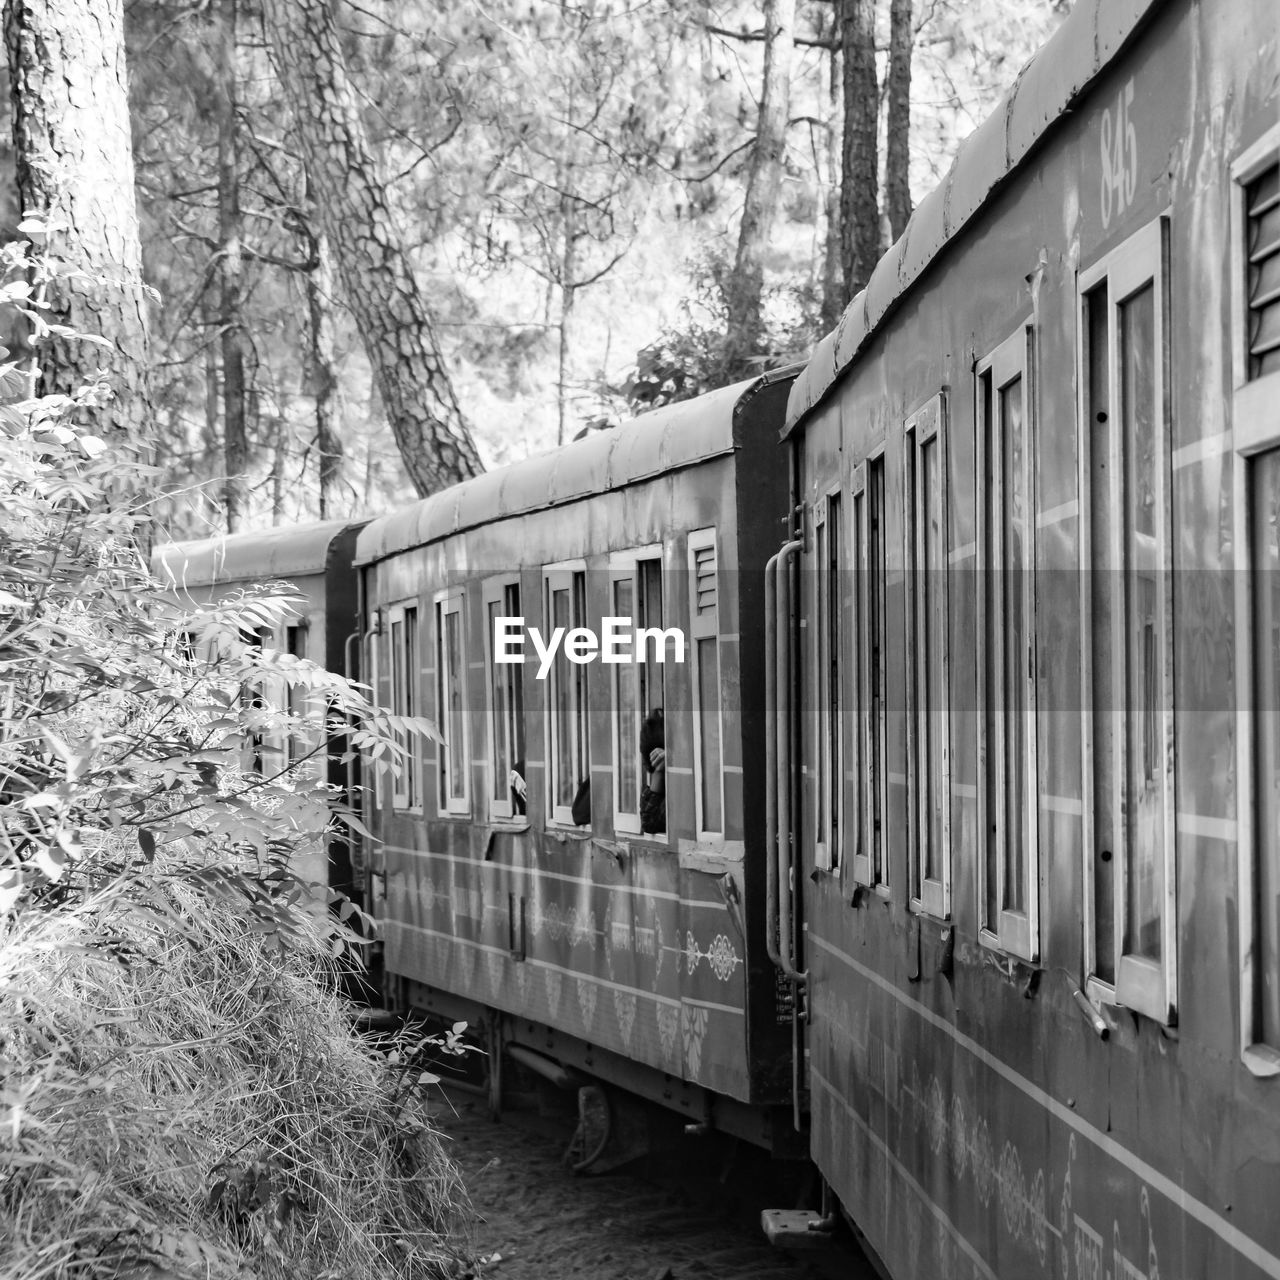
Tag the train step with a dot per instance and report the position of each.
(796, 1228)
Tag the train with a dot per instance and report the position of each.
(965, 636)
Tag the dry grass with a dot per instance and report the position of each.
(182, 1102)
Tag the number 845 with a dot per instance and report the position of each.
(1119, 148)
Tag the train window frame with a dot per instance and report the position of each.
(300, 746)
(873, 713)
(831, 732)
(1255, 432)
(447, 602)
(407, 783)
(701, 630)
(926, 428)
(624, 566)
(1147, 986)
(1014, 932)
(264, 750)
(497, 591)
(568, 574)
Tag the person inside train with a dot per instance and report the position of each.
(581, 808)
(653, 758)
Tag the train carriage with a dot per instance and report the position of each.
(1036, 831)
(590, 939)
(315, 561)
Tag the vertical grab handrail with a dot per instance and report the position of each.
(349, 670)
(780, 707)
(771, 762)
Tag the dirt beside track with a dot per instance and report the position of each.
(534, 1218)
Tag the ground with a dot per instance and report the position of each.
(681, 1219)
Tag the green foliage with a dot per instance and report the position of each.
(183, 1094)
(692, 356)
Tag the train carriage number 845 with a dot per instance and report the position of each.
(1119, 153)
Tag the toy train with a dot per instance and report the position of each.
(967, 870)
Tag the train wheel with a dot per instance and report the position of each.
(592, 1134)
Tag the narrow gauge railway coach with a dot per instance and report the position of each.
(1039, 835)
(523, 878)
(316, 562)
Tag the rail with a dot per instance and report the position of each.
(777, 599)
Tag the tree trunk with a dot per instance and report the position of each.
(279, 461)
(859, 188)
(74, 160)
(832, 270)
(568, 289)
(322, 375)
(235, 435)
(897, 160)
(764, 187)
(434, 440)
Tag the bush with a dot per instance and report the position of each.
(179, 1100)
(182, 1093)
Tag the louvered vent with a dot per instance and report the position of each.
(704, 571)
(1262, 201)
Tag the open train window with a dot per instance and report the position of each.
(453, 754)
(504, 707)
(1256, 438)
(260, 753)
(1009, 869)
(406, 789)
(569, 770)
(830, 722)
(871, 859)
(704, 639)
(928, 763)
(1130, 916)
(635, 592)
(301, 740)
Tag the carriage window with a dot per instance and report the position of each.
(704, 631)
(300, 742)
(453, 794)
(636, 593)
(926, 559)
(1264, 593)
(1129, 650)
(829, 553)
(508, 795)
(871, 862)
(260, 753)
(569, 774)
(406, 788)
(1256, 440)
(1009, 868)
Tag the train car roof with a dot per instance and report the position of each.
(265, 555)
(1090, 37)
(662, 440)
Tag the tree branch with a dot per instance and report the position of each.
(811, 41)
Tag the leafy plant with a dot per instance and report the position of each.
(182, 1092)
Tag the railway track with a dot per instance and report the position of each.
(678, 1216)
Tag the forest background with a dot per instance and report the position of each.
(573, 211)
